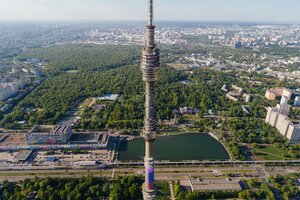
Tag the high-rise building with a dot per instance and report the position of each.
(288, 93)
(270, 95)
(272, 116)
(149, 67)
(297, 101)
(7, 90)
(282, 124)
(238, 45)
(283, 108)
(269, 111)
(284, 99)
(293, 133)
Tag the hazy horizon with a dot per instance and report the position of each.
(143, 22)
(275, 11)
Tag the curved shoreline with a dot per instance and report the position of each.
(183, 135)
(216, 138)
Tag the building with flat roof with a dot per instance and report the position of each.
(283, 108)
(284, 99)
(7, 90)
(297, 101)
(271, 94)
(3, 136)
(49, 134)
(286, 92)
(229, 184)
(228, 96)
(23, 156)
(293, 133)
(272, 116)
(269, 111)
(237, 88)
(283, 124)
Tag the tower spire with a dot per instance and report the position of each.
(150, 27)
(149, 67)
(150, 12)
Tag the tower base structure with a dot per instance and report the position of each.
(149, 194)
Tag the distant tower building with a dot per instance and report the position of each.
(238, 45)
(297, 101)
(293, 133)
(284, 99)
(278, 117)
(270, 95)
(282, 124)
(288, 93)
(7, 90)
(283, 108)
(272, 116)
(150, 67)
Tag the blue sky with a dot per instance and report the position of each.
(197, 10)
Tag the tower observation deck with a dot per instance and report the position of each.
(149, 67)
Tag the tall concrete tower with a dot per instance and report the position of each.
(150, 67)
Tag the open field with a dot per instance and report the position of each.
(173, 131)
(190, 117)
(87, 103)
(270, 153)
(178, 66)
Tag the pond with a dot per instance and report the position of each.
(177, 147)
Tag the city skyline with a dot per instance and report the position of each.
(190, 10)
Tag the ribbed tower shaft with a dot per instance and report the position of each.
(149, 67)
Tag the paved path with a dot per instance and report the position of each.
(113, 173)
(171, 190)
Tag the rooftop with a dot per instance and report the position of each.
(23, 155)
(49, 130)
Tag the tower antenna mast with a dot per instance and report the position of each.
(150, 67)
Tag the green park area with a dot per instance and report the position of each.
(271, 153)
(163, 192)
(87, 103)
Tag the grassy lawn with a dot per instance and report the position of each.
(270, 153)
(178, 66)
(174, 131)
(86, 103)
(192, 130)
(163, 192)
(190, 118)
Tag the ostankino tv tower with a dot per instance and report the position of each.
(150, 67)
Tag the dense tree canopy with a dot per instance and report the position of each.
(74, 189)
